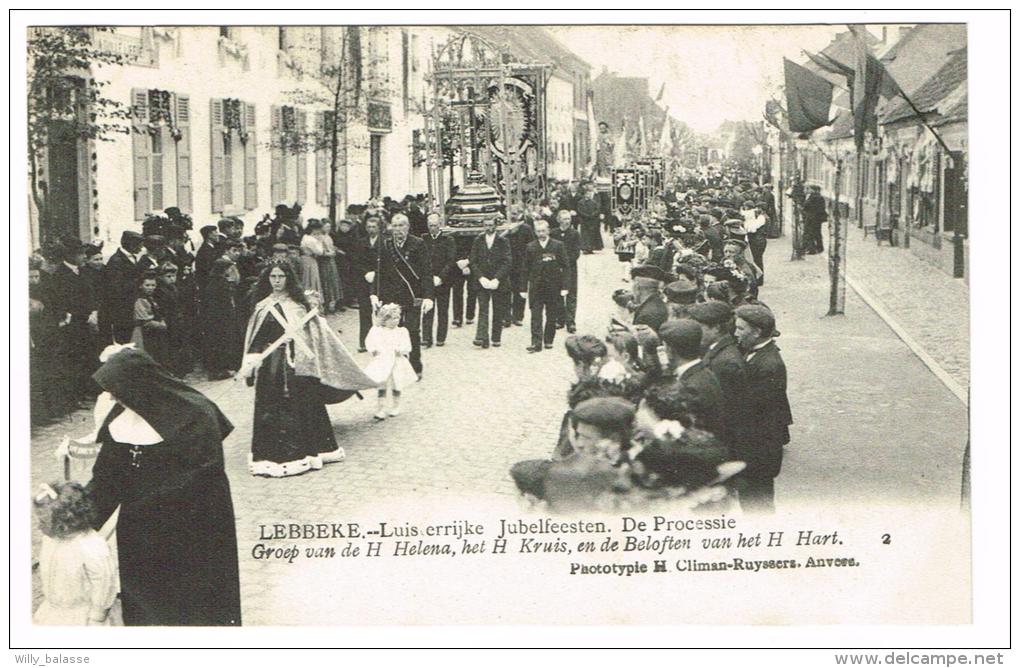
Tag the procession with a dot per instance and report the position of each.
(597, 328)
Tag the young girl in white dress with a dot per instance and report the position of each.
(76, 569)
(390, 345)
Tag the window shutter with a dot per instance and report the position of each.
(216, 150)
(156, 165)
(251, 194)
(276, 157)
(320, 159)
(184, 154)
(302, 160)
(140, 144)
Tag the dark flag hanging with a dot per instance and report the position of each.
(808, 98)
(871, 83)
(833, 66)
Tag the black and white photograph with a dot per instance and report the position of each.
(399, 322)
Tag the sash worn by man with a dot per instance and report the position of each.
(404, 276)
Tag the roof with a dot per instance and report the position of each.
(529, 44)
(955, 115)
(949, 78)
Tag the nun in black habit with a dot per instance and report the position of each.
(161, 461)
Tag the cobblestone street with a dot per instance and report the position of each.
(871, 421)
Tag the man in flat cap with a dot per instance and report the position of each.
(768, 408)
(599, 431)
(682, 339)
(120, 278)
(646, 284)
(722, 356)
(681, 294)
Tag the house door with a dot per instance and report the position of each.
(62, 196)
(375, 165)
(954, 214)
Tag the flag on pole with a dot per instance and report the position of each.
(808, 98)
(620, 149)
(833, 66)
(593, 133)
(662, 89)
(666, 138)
(642, 143)
(871, 82)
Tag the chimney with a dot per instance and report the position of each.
(885, 34)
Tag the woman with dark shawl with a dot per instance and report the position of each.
(299, 365)
(223, 329)
(161, 461)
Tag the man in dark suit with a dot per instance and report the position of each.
(546, 266)
(646, 284)
(120, 279)
(721, 354)
(490, 270)
(210, 251)
(814, 214)
(682, 339)
(571, 240)
(520, 235)
(443, 254)
(403, 276)
(363, 258)
(768, 409)
(75, 310)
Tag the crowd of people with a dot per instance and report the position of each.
(683, 399)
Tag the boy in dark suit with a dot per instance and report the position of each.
(490, 270)
(546, 266)
(682, 339)
(768, 408)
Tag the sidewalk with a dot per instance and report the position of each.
(933, 307)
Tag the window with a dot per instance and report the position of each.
(161, 151)
(233, 147)
(289, 162)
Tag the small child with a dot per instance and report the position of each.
(150, 333)
(77, 573)
(390, 345)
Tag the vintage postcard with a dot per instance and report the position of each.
(428, 323)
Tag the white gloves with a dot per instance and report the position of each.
(370, 277)
(249, 365)
(564, 293)
(436, 281)
(524, 295)
(489, 283)
(426, 305)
